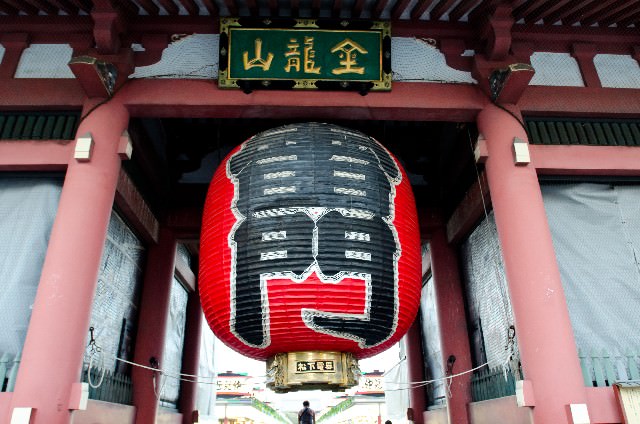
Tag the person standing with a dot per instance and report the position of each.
(306, 414)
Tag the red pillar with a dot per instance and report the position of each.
(191, 357)
(415, 364)
(156, 296)
(545, 337)
(55, 343)
(453, 323)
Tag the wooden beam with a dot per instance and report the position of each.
(135, 209)
(202, 98)
(585, 160)
(185, 274)
(35, 155)
(185, 223)
(473, 206)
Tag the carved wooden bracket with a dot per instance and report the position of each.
(101, 75)
(497, 33)
(584, 54)
(14, 44)
(107, 28)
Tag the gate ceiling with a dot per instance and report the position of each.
(585, 13)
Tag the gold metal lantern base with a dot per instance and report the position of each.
(313, 370)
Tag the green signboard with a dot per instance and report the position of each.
(305, 54)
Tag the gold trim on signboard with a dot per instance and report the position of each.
(225, 80)
(312, 370)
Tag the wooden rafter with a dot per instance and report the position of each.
(273, 7)
(190, 6)
(169, 6)
(419, 9)
(149, 7)
(441, 8)
(484, 8)
(211, 7)
(585, 13)
(315, 8)
(295, 8)
(84, 5)
(614, 9)
(252, 5)
(126, 6)
(543, 11)
(23, 6)
(379, 8)
(620, 15)
(628, 20)
(232, 7)
(526, 9)
(336, 9)
(356, 10)
(43, 6)
(399, 8)
(464, 7)
(68, 7)
(8, 9)
(570, 8)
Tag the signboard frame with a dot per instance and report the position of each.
(249, 67)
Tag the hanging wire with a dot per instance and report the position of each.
(193, 73)
(511, 362)
(95, 351)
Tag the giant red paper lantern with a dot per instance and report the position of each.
(310, 242)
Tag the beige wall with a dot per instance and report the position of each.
(498, 411)
(99, 412)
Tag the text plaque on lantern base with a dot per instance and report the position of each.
(313, 370)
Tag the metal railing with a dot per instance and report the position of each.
(601, 369)
(492, 384)
(114, 388)
(8, 371)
